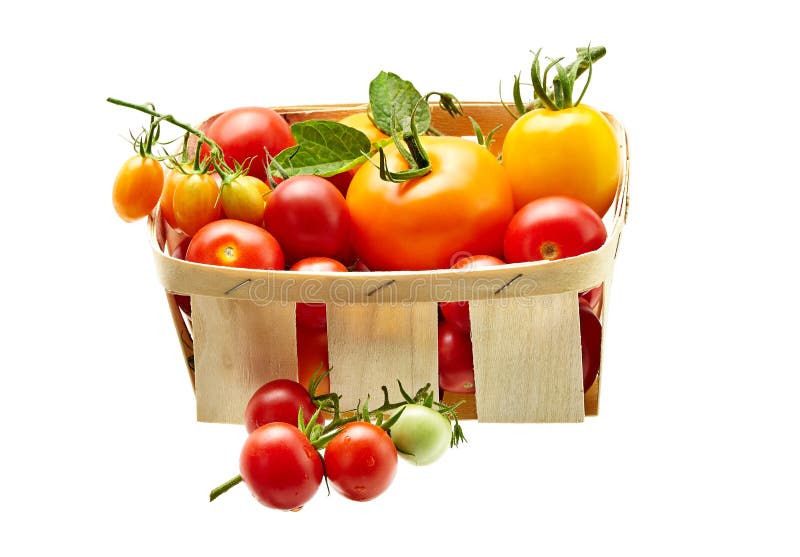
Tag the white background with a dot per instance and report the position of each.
(694, 450)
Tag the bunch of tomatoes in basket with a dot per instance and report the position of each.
(383, 190)
(281, 460)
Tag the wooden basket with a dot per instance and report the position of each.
(382, 326)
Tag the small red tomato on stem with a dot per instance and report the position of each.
(279, 400)
(361, 461)
(456, 371)
(313, 315)
(233, 243)
(457, 313)
(553, 228)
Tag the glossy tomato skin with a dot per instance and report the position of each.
(591, 336)
(233, 243)
(422, 435)
(361, 461)
(137, 188)
(166, 201)
(195, 202)
(279, 401)
(309, 217)
(456, 371)
(279, 465)
(572, 152)
(312, 357)
(457, 313)
(594, 297)
(553, 228)
(246, 133)
(462, 206)
(244, 199)
(314, 315)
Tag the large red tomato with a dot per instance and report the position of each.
(553, 228)
(233, 243)
(462, 205)
(314, 315)
(245, 134)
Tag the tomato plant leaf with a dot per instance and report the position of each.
(323, 148)
(391, 96)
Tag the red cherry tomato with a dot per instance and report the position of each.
(233, 243)
(457, 313)
(456, 372)
(361, 461)
(591, 335)
(279, 465)
(312, 357)
(246, 134)
(279, 401)
(553, 228)
(594, 298)
(309, 217)
(184, 302)
(313, 315)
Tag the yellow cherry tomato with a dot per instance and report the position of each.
(137, 187)
(244, 199)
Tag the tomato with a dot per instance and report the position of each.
(246, 134)
(312, 357)
(457, 313)
(279, 401)
(314, 315)
(594, 297)
(280, 466)
(137, 188)
(244, 199)
(572, 152)
(165, 202)
(361, 461)
(309, 217)
(195, 202)
(233, 243)
(184, 302)
(553, 228)
(421, 434)
(456, 372)
(463, 205)
(591, 335)
(362, 122)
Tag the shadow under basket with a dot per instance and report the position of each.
(382, 326)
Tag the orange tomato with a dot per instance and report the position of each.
(361, 122)
(195, 202)
(461, 207)
(137, 188)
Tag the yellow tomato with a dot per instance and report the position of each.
(572, 152)
(244, 199)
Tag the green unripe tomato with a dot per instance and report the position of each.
(421, 435)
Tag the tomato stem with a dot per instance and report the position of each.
(222, 488)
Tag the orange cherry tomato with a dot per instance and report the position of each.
(461, 207)
(137, 188)
(572, 152)
(165, 203)
(195, 202)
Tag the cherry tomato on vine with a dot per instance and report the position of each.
(553, 228)
(462, 205)
(309, 217)
(137, 188)
(457, 313)
(195, 202)
(312, 357)
(279, 401)
(246, 134)
(280, 466)
(233, 243)
(421, 434)
(361, 461)
(591, 336)
(166, 201)
(313, 315)
(572, 152)
(244, 199)
(456, 371)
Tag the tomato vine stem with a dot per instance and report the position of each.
(222, 488)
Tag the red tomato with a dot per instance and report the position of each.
(361, 461)
(553, 228)
(279, 401)
(184, 302)
(463, 204)
(244, 134)
(314, 315)
(312, 357)
(233, 243)
(594, 298)
(591, 335)
(309, 217)
(457, 313)
(279, 465)
(456, 371)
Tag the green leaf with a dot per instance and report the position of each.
(390, 95)
(323, 148)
